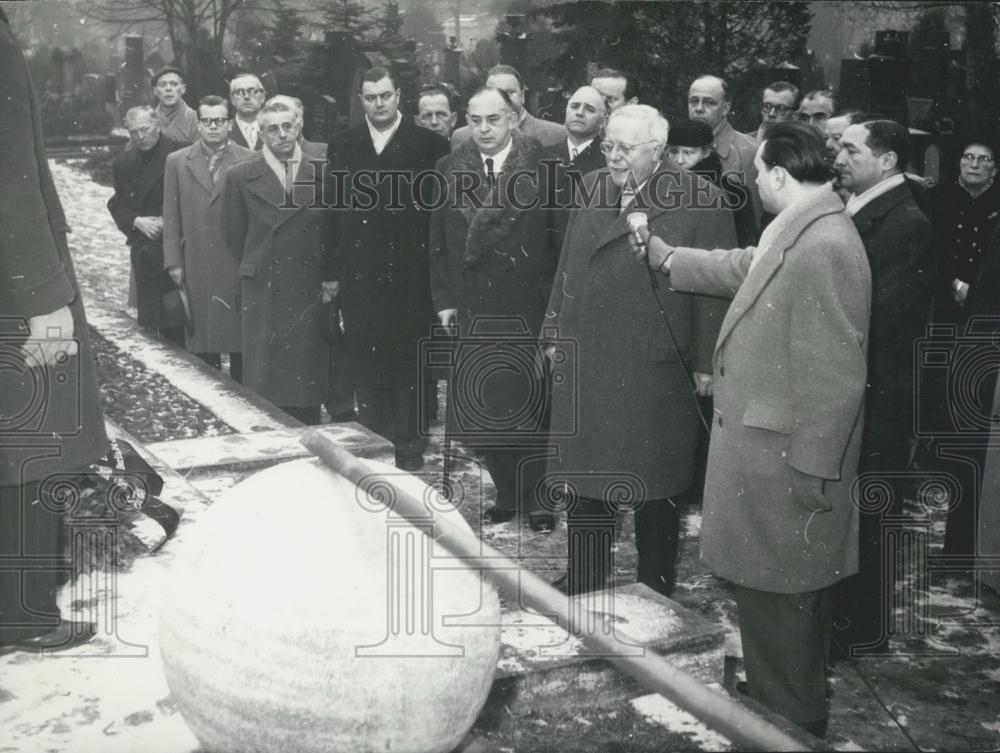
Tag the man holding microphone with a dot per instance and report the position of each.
(779, 521)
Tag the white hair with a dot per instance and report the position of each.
(254, 76)
(656, 125)
(292, 103)
(135, 112)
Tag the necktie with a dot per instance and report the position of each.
(289, 175)
(627, 197)
(213, 164)
(572, 154)
(492, 176)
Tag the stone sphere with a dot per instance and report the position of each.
(300, 615)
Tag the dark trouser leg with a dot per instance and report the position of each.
(515, 472)
(657, 531)
(340, 402)
(705, 407)
(172, 334)
(590, 528)
(236, 366)
(394, 414)
(32, 563)
(212, 359)
(962, 526)
(785, 638)
(309, 414)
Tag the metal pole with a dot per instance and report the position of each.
(651, 670)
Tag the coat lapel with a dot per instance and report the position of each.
(263, 183)
(875, 210)
(198, 167)
(152, 172)
(768, 265)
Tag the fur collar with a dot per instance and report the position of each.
(489, 211)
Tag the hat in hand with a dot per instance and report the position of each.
(176, 309)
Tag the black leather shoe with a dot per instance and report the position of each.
(496, 515)
(742, 687)
(69, 634)
(343, 418)
(542, 522)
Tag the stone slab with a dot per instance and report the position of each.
(264, 448)
(541, 665)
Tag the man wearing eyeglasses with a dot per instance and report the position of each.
(777, 105)
(177, 121)
(966, 217)
(247, 95)
(898, 243)
(642, 351)
(271, 227)
(377, 261)
(194, 253)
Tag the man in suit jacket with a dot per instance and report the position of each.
(271, 225)
(491, 270)
(708, 100)
(137, 208)
(898, 242)
(194, 253)
(507, 78)
(586, 113)
(50, 410)
(633, 375)
(779, 521)
(378, 263)
(246, 93)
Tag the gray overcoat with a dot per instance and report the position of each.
(192, 239)
(789, 380)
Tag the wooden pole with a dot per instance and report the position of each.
(650, 670)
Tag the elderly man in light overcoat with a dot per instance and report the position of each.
(779, 520)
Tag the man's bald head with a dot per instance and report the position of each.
(586, 113)
(708, 100)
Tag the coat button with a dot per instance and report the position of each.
(722, 371)
(719, 421)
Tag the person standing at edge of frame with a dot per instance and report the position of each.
(44, 339)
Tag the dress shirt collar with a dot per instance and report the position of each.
(381, 138)
(570, 146)
(278, 165)
(250, 131)
(857, 202)
(498, 159)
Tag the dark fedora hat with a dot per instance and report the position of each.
(696, 133)
(176, 309)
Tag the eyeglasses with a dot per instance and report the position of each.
(207, 122)
(975, 159)
(247, 92)
(608, 147)
(277, 128)
(768, 109)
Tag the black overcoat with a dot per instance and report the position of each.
(492, 259)
(50, 419)
(376, 239)
(899, 245)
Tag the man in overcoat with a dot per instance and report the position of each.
(378, 261)
(492, 263)
(246, 92)
(137, 209)
(194, 253)
(779, 521)
(898, 242)
(272, 225)
(50, 412)
(629, 395)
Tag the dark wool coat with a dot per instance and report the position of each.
(566, 174)
(378, 250)
(623, 405)
(789, 382)
(192, 239)
(898, 242)
(279, 249)
(493, 260)
(138, 183)
(50, 419)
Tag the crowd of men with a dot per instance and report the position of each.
(602, 295)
